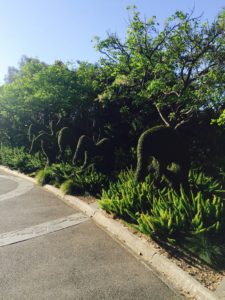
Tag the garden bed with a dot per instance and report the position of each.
(206, 275)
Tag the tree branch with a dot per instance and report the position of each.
(170, 93)
(162, 117)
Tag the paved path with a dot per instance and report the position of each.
(51, 251)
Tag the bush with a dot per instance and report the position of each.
(127, 197)
(85, 182)
(55, 174)
(165, 213)
(45, 176)
(19, 159)
(176, 216)
(205, 184)
(71, 187)
(73, 180)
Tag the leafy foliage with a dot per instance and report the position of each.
(164, 213)
(205, 184)
(73, 180)
(174, 215)
(82, 183)
(40, 94)
(171, 68)
(18, 158)
(127, 197)
(54, 174)
(172, 74)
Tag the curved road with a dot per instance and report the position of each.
(51, 251)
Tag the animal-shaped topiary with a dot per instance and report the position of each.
(66, 139)
(30, 133)
(166, 146)
(99, 155)
(45, 143)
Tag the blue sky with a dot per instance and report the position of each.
(63, 29)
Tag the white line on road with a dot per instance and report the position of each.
(13, 237)
(22, 188)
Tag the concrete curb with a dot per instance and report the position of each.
(180, 279)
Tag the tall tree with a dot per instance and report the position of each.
(39, 94)
(179, 69)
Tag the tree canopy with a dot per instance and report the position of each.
(159, 74)
(179, 68)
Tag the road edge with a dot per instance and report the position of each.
(174, 274)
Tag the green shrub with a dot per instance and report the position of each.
(72, 187)
(55, 174)
(51, 175)
(73, 180)
(127, 197)
(168, 216)
(176, 216)
(45, 176)
(85, 182)
(20, 159)
(164, 212)
(206, 184)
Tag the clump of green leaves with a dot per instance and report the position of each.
(18, 158)
(168, 216)
(85, 182)
(165, 213)
(71, 187)
(192, 220)
(45, 176)
(55, 174)
(206, 184)
(127, 197)
(73, 180)
(176, 215)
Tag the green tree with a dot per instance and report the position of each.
(39, 94)
(49, 97)
(179, 69)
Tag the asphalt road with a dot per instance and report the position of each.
(51, 251)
